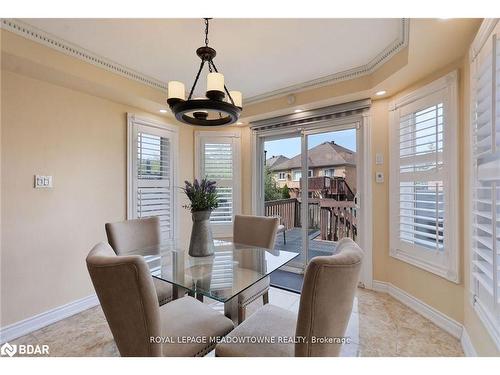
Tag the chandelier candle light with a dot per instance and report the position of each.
(214, 109)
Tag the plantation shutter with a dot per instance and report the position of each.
(421, 194)
(218, 166)
(424, 178)
(219, 161)
(486, 182)
(152, 176)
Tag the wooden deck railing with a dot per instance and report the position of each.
(338, 220)
(335, 219)
(286, 209)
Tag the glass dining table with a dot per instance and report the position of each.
(222, 276)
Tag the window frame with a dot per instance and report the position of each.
(294, 172)
(445, 90)
(327, 170)
(281, 178)
(222, 230)
(135, 122)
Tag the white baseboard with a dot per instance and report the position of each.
(467, 346)
(443, 321)
(36, 322)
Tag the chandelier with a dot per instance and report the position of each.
(215, 108)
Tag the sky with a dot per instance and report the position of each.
(290, 147)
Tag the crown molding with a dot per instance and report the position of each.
(61, 45)
(399, 44)
(51, 41)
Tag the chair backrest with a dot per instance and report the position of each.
(129, 235)
(128, 298)
(330, 284)
(255, 230)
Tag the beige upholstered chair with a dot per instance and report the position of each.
(254, 231)
(127, 236)
(325, 308)
(128, 298)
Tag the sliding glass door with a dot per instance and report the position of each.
(282, 193)
(330, 189)
(309, 182)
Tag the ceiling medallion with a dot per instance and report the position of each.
(212, 110)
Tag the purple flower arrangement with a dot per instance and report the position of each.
(202, 195)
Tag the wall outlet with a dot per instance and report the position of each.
(379, 177)
(43, 182)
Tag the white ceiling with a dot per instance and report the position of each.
(256, 56)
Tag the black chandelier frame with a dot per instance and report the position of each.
(229, 113)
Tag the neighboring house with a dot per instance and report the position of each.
(276, 159)
(327, 159)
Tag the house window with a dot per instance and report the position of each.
(310, 173)
(217, 158)
(423, 178)
(485, 189)
(297, 175)
(330, 172)
(151, 172)
(282, 176)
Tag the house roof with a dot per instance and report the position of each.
(275, 160)
(323, 155)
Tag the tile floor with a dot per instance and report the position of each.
(379, 326)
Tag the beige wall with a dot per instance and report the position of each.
(80, 140)
(444, 295)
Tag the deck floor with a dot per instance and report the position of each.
(294, 244)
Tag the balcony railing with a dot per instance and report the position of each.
(332, 187)
(334, 219)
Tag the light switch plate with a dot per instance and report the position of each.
(43, 182)
(379, 158)
(379, 177)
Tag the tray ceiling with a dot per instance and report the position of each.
(260, 57)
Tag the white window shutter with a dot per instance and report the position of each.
(218, 160)
(423, 178)
(421, 193)
(485, 265)
(218, 166)
(151, 189)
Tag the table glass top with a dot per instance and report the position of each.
(222, 276)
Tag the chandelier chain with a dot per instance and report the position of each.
(206, 31)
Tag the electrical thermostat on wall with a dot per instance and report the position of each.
(43, 182)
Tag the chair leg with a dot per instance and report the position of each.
(241, 314)
(284, 237)
(265, 298)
